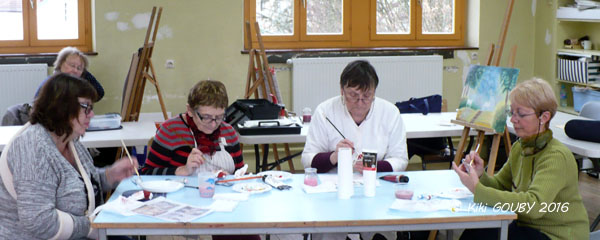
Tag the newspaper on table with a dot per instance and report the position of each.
(171, 211)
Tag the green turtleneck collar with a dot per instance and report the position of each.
(533, 144)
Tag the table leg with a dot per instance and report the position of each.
(265, 157)
(504, 230)
(257, 156)
(102, 233)
(450, 234)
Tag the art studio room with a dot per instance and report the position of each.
(299, 119)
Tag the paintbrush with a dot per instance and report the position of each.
(131, 160)
(239, 179)
(334, 126)
(471, 162)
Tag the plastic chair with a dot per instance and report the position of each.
(591, 110)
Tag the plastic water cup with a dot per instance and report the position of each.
(206, 184)
(310, 177)
(403, 191)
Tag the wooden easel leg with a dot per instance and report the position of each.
(507, 143)
(432, 235)
(480, 138)
(493, 154)
(461, 145)
(158, 92)
(251, 75)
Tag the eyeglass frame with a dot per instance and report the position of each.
(357, 98)
(510, 114)
(78, 67)
(216, 119)
(87, 108)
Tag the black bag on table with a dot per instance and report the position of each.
(251, 109)
(586, 130)
(422, 105)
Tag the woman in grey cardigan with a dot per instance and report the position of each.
(48, 178)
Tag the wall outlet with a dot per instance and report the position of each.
(170, 64)
(474, 56)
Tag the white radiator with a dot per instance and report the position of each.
(19, 82)
(400, 78)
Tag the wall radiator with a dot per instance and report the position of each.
(400, 78)
(19, 82)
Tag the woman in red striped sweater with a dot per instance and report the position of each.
(197, 140)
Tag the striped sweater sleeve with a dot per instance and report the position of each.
(233, 145)
(170, 148)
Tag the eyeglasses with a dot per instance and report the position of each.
(356, 97)
(78, 67)
(518, 114)
(207, 119)
(88, 108)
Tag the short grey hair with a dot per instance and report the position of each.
(65, 53)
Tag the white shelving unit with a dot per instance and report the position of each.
(574, 14)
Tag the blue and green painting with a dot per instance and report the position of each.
(485, 96)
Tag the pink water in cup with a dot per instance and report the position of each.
(306, 115)
(206, 184)
(402, 191)
(310, 177)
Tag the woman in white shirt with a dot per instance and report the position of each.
(364, 122)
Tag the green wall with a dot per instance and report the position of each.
(205, 38)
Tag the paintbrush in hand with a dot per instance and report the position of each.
(131, 160)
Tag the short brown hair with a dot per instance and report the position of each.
(208, 93)
(65, 53)
(537, 94)
(361, 74)
(57, 103)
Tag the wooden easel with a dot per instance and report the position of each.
(140, 70)
(493, 59)
(260, 83)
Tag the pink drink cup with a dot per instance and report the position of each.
(311, 182)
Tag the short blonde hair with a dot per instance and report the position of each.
(535, 93)
(65, 53)
(208, 93)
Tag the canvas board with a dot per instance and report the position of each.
(484, 97)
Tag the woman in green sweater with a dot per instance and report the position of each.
(540, 174)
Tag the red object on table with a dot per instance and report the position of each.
(395, 178)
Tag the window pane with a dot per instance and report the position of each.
(275, 17)
(393, 16)
(11, 11)
(57, 19)
(324, 17)
(438, 16)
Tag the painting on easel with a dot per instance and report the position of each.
(485, 96)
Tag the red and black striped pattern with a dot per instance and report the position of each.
(174, 141)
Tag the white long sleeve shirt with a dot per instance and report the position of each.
(382, 130)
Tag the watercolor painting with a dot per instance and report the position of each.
(485, 96)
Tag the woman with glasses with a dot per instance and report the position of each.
(49, 185)
(356, 119)
(197, 140)
(363, 120)
(72, 61)
(540, 174)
